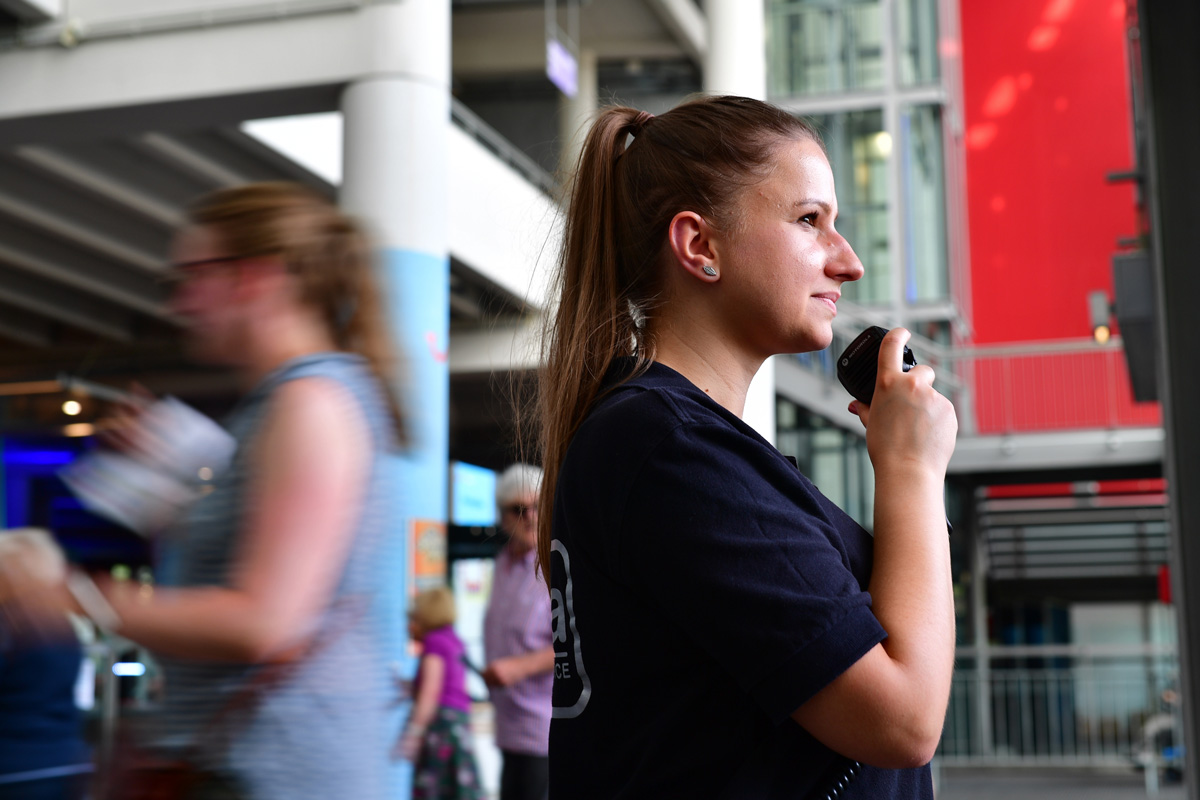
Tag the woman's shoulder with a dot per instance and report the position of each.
(658, 399)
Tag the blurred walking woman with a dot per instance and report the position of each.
(721, 629)
(281, 557)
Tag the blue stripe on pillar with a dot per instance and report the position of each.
(416, 293)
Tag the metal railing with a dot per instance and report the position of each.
(1025, 387)
(503, 149)
(1063, 706)
(1041, 386)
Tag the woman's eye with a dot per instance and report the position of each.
(810, 218)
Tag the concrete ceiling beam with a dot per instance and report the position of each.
(87, 281)
(178, 155)
(19, 325)
(71, 231)
(62, 305)
(687, 23)
(101, 185)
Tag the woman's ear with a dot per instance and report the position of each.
(691, 240)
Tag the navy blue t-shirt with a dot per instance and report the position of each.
(702, 590)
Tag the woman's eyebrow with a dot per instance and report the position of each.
(811, 202)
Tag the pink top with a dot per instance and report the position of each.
(444, 642)
(518, 622)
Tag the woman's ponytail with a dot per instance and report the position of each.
(595, 320)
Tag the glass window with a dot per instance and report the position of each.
(821, 46)
(859, 150)
(917, 42)
(832, 458)
(927, 275)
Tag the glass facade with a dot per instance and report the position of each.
(923, 204)
(859, 149)
(916, 43)
(824, 46)
(867, 73)
(832, 458)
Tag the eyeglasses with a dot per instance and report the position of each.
(519, 510)
(181, 271)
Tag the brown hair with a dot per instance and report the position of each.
(327, 252)
(698, 157)
(433, 608)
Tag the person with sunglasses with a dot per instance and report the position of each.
(517, 640)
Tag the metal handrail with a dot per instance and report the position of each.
(506, 151)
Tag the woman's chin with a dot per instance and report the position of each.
(812, 341)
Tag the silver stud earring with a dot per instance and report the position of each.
(709, 271)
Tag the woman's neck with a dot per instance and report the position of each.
(706, 359)
(276, 342)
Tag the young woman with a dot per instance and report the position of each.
(721, 629)
(279, 562)
(437, 737)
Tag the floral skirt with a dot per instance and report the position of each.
(445, 768)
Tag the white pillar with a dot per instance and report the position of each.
(395, 179)
(396, 168)
(396, 176)
(575, 114)
(736, 63)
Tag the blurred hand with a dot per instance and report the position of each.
(502, 672)
(403, 687)
(122, 429)
(408, 746)
(30, 598)
(909, 423)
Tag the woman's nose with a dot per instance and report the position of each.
(843, 262)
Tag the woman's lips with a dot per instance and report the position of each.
(829, 299)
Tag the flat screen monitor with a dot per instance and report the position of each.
(472, 495)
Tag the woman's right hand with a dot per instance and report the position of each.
(910, 425)
(123, 429)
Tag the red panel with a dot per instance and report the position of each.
(1129, 486)
(1047, 117)
(1031, 490)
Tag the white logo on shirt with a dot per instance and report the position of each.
(572, 688)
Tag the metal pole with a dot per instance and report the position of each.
(1171, 69)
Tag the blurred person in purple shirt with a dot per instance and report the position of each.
(437, 737)
(518, 641)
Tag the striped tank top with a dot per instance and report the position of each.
(320, 732)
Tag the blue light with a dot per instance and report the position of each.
(38, 457)
(129, 669)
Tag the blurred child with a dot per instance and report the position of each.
(437, 738)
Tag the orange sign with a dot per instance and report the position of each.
(427, 554)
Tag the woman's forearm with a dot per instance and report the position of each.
(911, 583)
(205, 623)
